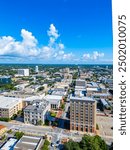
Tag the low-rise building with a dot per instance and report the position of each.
(54, 100)
(10, 106)
(91, 91)
(37, 112)
(5, 79)
(2, 129)
(9, 145)
(80, 84)
(104, 103)
(59, 91)
(29, 143)
(103, 95)
(92, 85)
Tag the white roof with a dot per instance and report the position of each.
(53, 98)
(9, 144)
(101, 94)
(24, 69)
(32, 98)
(81, 98)
(92, 89)
(104, 102)
(9, 102)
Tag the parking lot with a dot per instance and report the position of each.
(105, 127)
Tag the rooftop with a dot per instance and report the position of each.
(80, 82)
(38, 106)
(9, 144)
(2, 127)
(81, 98)
(8, 102)
(28, 142)
(1, 77)
(93, 89)
(32, 98)
(52, 97)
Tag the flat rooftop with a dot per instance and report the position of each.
(9, 145)
(80, 82)
(92, 89)
(53, 97)
(32, 98)
(78, 98)
(8, 102)
(1, 77)
(28, 143)
(2, 127)
(37, 106)
(60, 93)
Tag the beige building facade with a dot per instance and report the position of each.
(9, 106)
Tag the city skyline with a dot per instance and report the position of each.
(56, 32)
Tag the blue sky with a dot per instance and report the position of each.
(56, 31)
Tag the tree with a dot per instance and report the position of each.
(41, 88)
(87, 143)
(97, 127)
(53, 114)
(46, 144)
(14, 117)
(39, 122)
(63, 106)
(71, 145)
(19, 135)
(46, 122)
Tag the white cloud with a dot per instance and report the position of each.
(93, 56)
(96, 55)
(86, 56)
(28, 48)
(68, 56)
(61, 46)
(28, 39)
(53, 32)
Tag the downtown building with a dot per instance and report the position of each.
(23, 72)
(82, 109)
(5, 80)
(37, 112)
(82, 114)
(10, 106)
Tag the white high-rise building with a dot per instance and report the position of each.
(23, 72)
(36, 69)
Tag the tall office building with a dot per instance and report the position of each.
(36, 69)
(82, 114)
(23, 72)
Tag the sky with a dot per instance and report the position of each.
(56, 31)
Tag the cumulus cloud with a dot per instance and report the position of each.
(28, 39)
(61, 46)
(93, 56)
(86, 56)
(53, 34)
(96, 55)
(28, 47)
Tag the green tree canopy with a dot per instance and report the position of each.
(87, 143)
